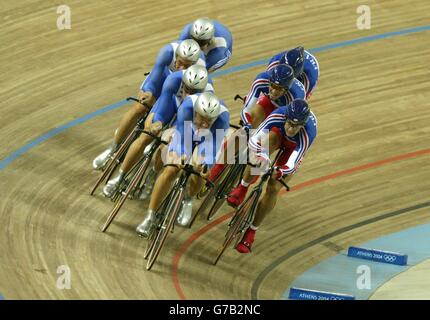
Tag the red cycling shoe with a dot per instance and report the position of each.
(248, 239)
(237, 195)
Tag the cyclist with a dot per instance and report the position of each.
(215, 41)
(202, 122)
(292, 127)
(177, 86)
(178, 55)
(305, 65)
(270, 89)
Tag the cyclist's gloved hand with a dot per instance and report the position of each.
(247, 126)
(144, 96)
(277, 174)
(262, 162)
(183, 161)
(156, 127)
(204, 170)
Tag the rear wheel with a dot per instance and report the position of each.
(237, 221)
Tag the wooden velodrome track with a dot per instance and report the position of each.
(372, 108)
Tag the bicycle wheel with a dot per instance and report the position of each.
(229, 181)
(114, 161)
(136, 178)
(159, 217)
(210, 196)
(241, 214)
(168, 221)
(208, 199)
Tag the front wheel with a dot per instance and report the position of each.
(166, 226)
(236, 224)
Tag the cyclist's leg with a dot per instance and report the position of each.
(268, 201)
(135, 152)
(163, 182)
(156, 167)
(158, 161)
(272, 143)
(137, 147)
(194, 185)
(127, 123)
(226, 156)
(258, 114)
(133, 155)
(265, 206)
(130, 118)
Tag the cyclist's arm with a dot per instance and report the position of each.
(257, 87)
(296, 157)
(164, 109)
(274, 61)
(182, 139)
(261, 110)
(298, 90)
(219, 130)
(164, 59)
(266, 139)
(261, 147)
(217, 58)
(257, 116)
(202, 60)
(312, 71)
(185, 34)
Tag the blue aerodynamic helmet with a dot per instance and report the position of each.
(296, 59)
(282, 75)
(298, 112)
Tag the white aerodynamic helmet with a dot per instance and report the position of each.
(202, 29)
(208, 105)
(195, 77)
(189, 49)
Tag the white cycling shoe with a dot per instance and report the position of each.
(100, 161)
(148, 184)
(186, 212)
(112, 186)
(144, 229)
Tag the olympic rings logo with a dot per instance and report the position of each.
(389, 258)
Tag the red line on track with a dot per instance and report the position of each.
(196, 235)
